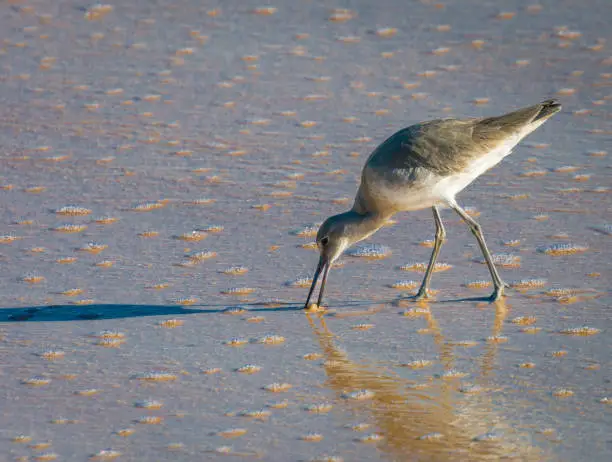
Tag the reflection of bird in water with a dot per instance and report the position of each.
(432, 423)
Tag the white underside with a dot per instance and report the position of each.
(448, 187)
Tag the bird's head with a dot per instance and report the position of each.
(331, 241)
(333, 238)
(335, 235)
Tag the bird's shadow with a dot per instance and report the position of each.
(484, 298)
(98, 311)
(65, 313)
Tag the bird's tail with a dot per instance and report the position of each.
(547, 109)
(527, 118)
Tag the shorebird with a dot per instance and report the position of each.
(426, 165)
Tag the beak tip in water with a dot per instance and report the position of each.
(314, 308)
(322, 266)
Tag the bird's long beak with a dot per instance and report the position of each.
(324, 266)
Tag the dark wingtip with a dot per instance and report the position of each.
(551, 103)
(548, 108)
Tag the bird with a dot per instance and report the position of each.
(425, 166)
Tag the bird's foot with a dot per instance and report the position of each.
(498, 293)
(314, 308)
(422, 294)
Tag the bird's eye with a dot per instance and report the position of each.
(324, 241)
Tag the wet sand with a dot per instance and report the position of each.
(160, 165)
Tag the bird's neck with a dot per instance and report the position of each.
(361, 226)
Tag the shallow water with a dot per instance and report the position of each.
(216, 127)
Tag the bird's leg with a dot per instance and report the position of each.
(440, 238)
(477, 232)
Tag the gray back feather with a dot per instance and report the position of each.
(445, 146)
